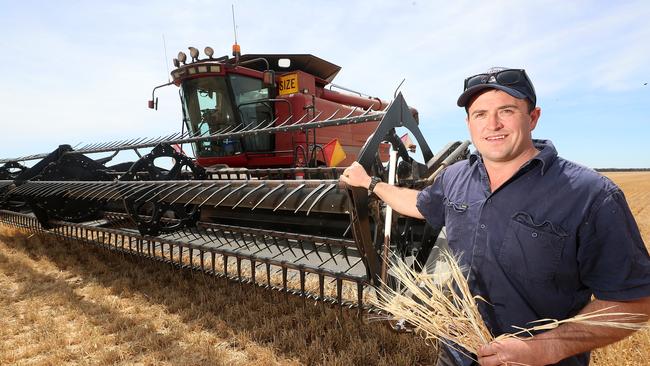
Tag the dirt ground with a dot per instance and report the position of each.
(67, 303)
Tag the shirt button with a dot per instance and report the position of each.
(489, 200)
(534, 235)
(482, 226)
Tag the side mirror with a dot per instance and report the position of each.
(153, 105)
(268, 78)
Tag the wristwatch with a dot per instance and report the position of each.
(373, 183)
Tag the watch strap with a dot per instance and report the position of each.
(373, 183)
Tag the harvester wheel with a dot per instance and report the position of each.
(11, 170)
(152, 216)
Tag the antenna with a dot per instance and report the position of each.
(166, 62)
(234, 24)
(236, 50)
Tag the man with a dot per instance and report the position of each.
(539, 234)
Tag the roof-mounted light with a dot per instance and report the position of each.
(176, 63)
(208, 52)
(284, 63)
(182, 57)
(194, 53)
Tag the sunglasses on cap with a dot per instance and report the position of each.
(509, 78)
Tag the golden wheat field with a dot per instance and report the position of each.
(68, 303)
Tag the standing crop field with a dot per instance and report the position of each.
(68, 303)
(634, 350)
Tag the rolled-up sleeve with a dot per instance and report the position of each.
(613, 259)
(430, 203)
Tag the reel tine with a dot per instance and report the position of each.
(270, 123)
(37, 189)
(350, 114)
(315, 250)
(173, 191)
(267, 195)
(345, 255)
(301, 186)
(120, 191)
(309, 196)
(320, 196)
(302, 248)
(299, 120)
(200, 192)
(329, 249)
(155, 189)
(231, 193)
(184, 193)
(80, 187)
(232, 234)
(248, 194)
(290, 248)
(214, 193)
(254, 240)
(142, 187)
(285, 121)
(93, 194)
(333, 115)
(315, 117)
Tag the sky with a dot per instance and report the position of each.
(82, 71)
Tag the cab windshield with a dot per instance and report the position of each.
(217, 103)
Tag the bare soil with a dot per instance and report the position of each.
(68, 303)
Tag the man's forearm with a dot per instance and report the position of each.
(402, 200)
(572, 338)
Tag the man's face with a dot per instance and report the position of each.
(500, 126)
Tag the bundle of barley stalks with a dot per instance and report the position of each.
(440, 306)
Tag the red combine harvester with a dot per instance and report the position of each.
(260, 202)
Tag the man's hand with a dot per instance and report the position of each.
(355, 175)
(564, 341)
(511, 352)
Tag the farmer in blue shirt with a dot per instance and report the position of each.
(539, 234)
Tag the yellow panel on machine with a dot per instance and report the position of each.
(288, 84)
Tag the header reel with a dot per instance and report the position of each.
(318, 234)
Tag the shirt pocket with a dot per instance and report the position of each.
(530, 249)
(458, 225)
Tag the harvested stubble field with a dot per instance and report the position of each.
(68, 303)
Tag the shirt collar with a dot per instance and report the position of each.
(546, 157)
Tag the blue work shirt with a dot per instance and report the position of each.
(541, 244)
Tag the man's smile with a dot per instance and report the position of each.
(495, 137)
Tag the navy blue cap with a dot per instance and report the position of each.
(522, 89)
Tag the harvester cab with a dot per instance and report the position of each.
(263, 91)
(261, 202)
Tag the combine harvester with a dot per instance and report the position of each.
(261, 202)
